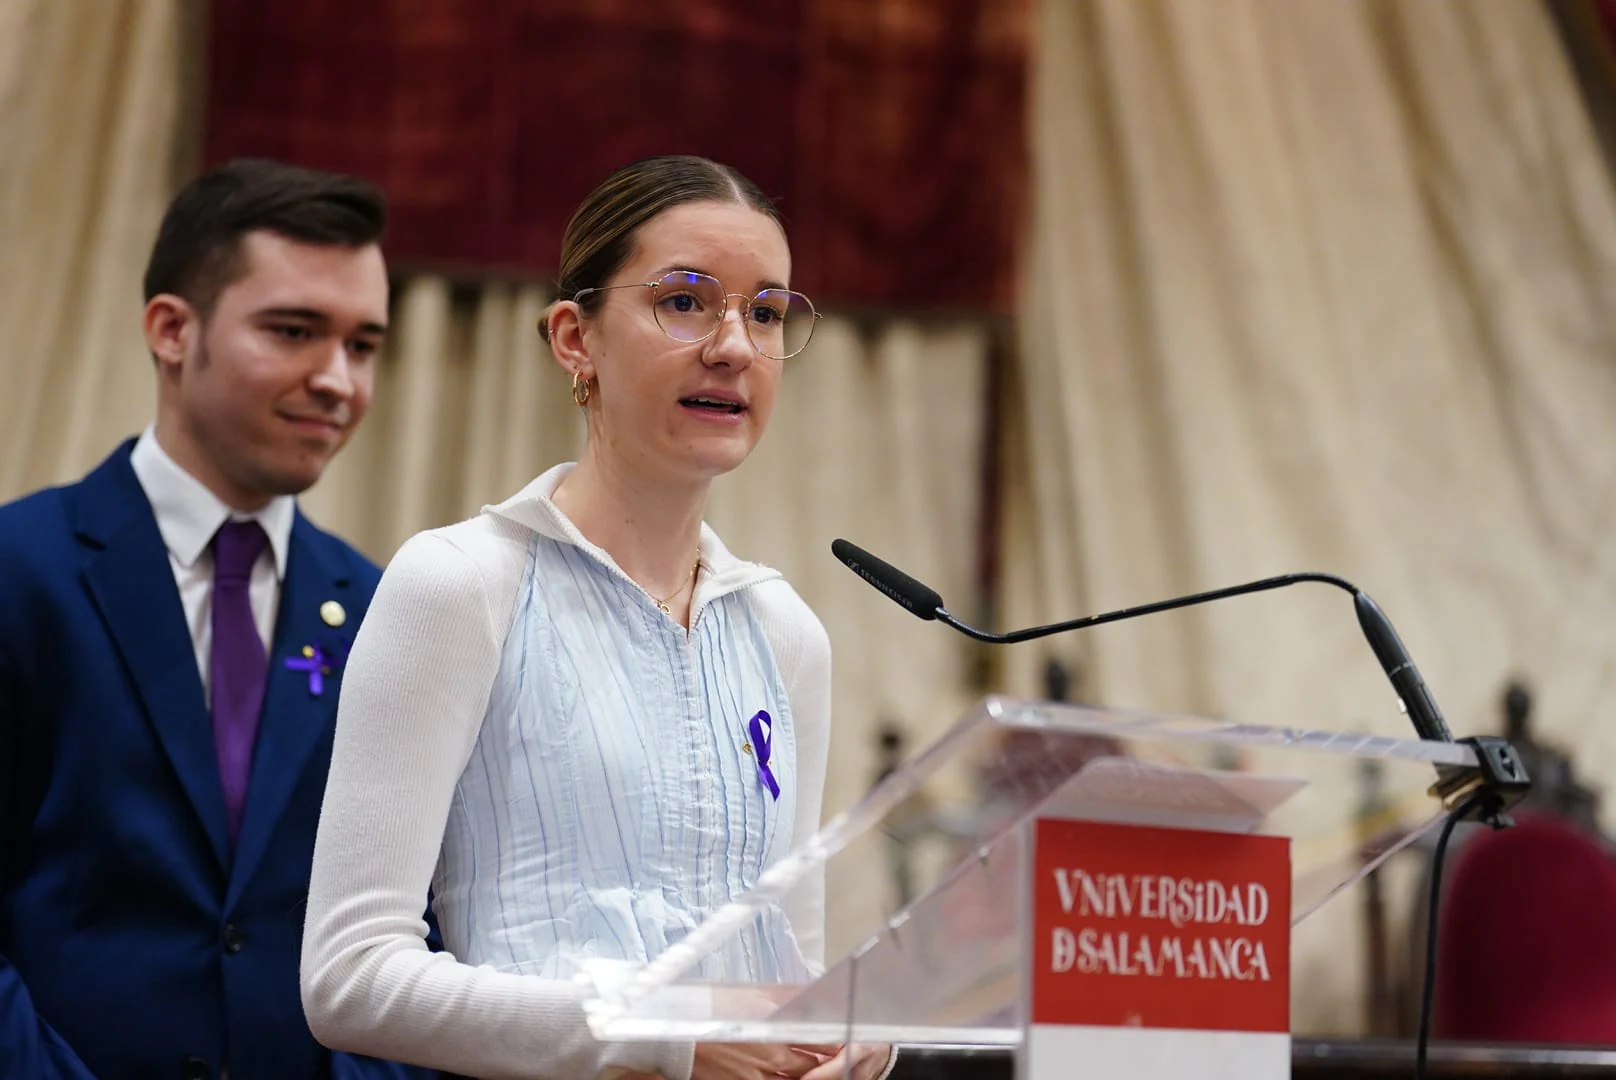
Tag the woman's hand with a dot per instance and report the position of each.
(869, 1061)
(750, 1061)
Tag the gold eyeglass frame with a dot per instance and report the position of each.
(722, 314)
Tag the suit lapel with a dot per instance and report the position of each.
(295, 718)
(129, 577)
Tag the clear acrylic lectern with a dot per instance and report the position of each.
(923, 877)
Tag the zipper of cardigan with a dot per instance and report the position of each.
(699, 602)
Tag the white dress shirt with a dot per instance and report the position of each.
(188, 515)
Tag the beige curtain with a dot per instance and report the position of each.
(1327, 286)
(90, 121)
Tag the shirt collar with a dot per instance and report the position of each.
(533, 508)
(188, 514)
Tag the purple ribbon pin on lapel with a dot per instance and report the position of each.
(318, 663)
(760, 727)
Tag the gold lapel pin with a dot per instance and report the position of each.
(332, 614)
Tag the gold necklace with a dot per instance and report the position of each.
(663, 604)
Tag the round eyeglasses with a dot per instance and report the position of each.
(690, 307)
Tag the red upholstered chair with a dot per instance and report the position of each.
(1527, 948)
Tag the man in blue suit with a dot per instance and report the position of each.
(171, 639)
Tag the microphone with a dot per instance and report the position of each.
(924, 601)
(899, 587)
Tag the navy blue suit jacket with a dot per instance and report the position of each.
(134, 942)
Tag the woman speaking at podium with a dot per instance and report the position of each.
(577, 717)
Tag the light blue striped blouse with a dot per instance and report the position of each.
(610, 803)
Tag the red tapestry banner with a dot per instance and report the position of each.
(891, 132)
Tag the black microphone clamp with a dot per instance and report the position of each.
(1499, 774)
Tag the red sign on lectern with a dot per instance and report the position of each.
(1176, 940)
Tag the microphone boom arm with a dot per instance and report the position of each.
(1014, 636)
(1499, 773)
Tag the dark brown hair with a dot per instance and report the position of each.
(198, 248)
(600, 237)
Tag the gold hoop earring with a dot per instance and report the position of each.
(580, 390)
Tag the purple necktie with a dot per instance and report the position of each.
(238, 664)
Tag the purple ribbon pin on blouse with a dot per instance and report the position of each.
(760, 728)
